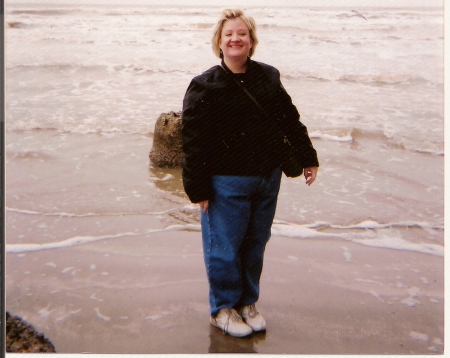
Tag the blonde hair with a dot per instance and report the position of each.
(229, 14)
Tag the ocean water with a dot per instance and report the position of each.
(85, 85)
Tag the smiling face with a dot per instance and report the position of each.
(235, 40)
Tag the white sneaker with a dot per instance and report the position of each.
(253, 318)
(229, 321)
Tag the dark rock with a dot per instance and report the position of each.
(167, 151)
(21, 337)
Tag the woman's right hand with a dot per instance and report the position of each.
(310, 174)
(204, 205)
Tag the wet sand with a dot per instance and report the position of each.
(148, 294)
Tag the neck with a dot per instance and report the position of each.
(236, 65)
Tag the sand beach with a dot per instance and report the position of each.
(149, 295)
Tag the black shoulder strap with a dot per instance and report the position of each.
(247, 92)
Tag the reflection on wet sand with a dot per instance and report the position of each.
(167, 179)
(224, 343)
(170, 185)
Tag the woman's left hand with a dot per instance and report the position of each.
(310, 174)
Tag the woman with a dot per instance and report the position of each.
(232, 157)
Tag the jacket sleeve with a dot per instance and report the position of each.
(197, 142)
(281, 107)
(295, 130)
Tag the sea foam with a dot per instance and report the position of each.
(279, 228)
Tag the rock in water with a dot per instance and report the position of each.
(21, 337)
(167, 151)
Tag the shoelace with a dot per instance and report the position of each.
(252, 311)
(234, 316)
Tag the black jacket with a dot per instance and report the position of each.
(224, 132)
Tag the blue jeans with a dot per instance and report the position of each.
(235, 232)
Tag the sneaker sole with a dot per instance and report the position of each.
(259, 330)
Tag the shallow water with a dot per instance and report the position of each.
(85, 85)
(95, 177)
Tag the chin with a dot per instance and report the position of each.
(236, 55)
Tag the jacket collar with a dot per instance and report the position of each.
(250, 64)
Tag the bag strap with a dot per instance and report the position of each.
(255, 101)
(247, 92)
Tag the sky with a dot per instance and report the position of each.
(243, 3)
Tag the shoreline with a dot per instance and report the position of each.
(148, 295)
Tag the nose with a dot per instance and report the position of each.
(235, 37)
